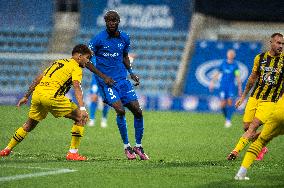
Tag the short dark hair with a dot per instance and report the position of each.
(112, 13)
(276, 34)
(82, 49)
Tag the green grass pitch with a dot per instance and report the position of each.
(186, 150)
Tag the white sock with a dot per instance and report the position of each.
(138, 145)
(126, 145)
(73, 150)
(242, 172)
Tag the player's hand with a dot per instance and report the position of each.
(84, 117)
(135, 78)
(22, 101)
(239, 101)
(109, 81)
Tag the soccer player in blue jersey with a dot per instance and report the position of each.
(230, 71)
(111, 59)
(94, 94)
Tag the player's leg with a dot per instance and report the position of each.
(263, 112)
(230, 111)
(130, 100)
(122, 126)
(62, 107)
(19, 136)
(93, 108)
(104, 115)
(111, 96)
(244, 140)
(271, 129)
(77, 132)
(223, 103)
(136, 110)
(248, 117)
(37, 112)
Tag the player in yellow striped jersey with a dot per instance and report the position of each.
(49, 91)
(271, 129)
(267, 77)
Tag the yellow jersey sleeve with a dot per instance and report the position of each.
(256, 63)
(77, 74)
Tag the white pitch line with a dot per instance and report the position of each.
(30, 167)
(23, 176)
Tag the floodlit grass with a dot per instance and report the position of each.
(186, 150)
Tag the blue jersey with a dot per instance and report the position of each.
(229, 72)
(108, 54)
(94, 80)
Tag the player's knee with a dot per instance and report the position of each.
(120, 111)
(250, 133)
(246, 126)
(138, 114)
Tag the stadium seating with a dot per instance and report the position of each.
(158, 55)
(17, 74)
(24, 40)
(25, 25)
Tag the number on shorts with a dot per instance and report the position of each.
(111, 93)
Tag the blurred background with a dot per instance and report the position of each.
(178, 44)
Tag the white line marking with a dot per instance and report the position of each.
(30, 167)
(23, 176)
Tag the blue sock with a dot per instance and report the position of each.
(139, 129)
(93, 108)
(230, 111)
(122, 126)
(225, 111)
(105, 111)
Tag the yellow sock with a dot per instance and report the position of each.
(241, 144)
(19, 135)
(252, 153)
(77, 134)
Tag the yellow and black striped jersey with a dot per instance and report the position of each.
(57, 79)
(270, 69)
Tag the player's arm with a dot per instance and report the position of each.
(251, 81)
(239, 81)
(94, 46)
(79, 97)
(213, 80)
(35, 82)
(128, 66)
(108, 80)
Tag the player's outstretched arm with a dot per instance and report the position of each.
(79, 98)
(251, 81)
(25, 99)
(108, 80)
